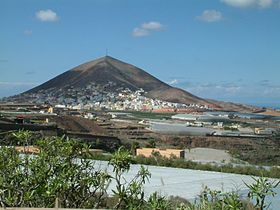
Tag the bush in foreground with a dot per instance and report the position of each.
(62, 170)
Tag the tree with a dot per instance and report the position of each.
(134, 146)
(157, 202)
(63, 170)
(151, 143)
(60, 170)
(130, 194)
(260, 189)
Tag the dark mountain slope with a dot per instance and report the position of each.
(108, 69)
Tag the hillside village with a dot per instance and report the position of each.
(98, 96)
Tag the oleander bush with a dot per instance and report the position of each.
(62, 170)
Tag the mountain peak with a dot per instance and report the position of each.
(105, 60)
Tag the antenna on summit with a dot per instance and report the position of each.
(106, 52)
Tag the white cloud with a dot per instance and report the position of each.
(173, 82)
(47, 15)
(153, 25)
(262, 89)
(215, 90)
(146, 28)
(12, 88)
(139, 32)
(27, 32)
(210, 16)
(239, 3)
(265, 3)
(248, 3)
(12, 84)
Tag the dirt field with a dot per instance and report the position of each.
(78, 124)
(271, 112)
(208, 155)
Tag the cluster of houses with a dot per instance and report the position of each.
(104, 97)
(222, 124)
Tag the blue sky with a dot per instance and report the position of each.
(221, 49)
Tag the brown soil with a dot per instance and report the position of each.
(207, 141)
(255, 151)
(271, 112)
(78, 124)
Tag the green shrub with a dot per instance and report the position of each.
(63, 171)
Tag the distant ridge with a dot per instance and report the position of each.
(108, 69)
